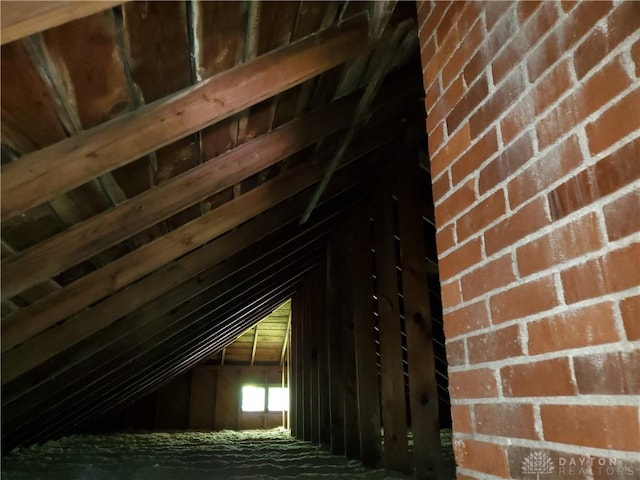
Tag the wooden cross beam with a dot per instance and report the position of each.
(41, 175)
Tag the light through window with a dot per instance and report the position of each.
(253, 399)
(261, 399)
(278, 399)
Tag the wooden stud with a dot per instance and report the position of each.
(423, 389)
(394, 416)
(368, 383)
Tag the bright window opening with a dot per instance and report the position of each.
(260, 399)
(253, 399)
(278, 399)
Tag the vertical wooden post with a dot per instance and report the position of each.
(306, 360)
(296, 351)
(345, 297)
(336, 372)
(315, 320)
(423, 389)
(394, 415)
(323, 358)
(367, 375)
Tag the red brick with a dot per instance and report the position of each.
(569, 4)
(566, 465)
(523, 300)
(579, 22)
(513, 53)
(505, 420)
(482, 456)
(635, 55)
(608, 468)
(449, 20)
(476, 94)
(477, 383)
(495, 345)
(599, 89)
(622, 216)
(505, 164)
(427, 51)
(546, 92)
(441, 186)
(569, 241)
(497, 103)
(435, 17)
(458, 201)
(483, 214)
(630, 309)
(444, 239)
(587, 326)
(616, 271)
(553, 165)
(621, 23)
(455, 353)
(615, 123)
(609, 175)
(466, 319)
(470, 161)
(525, 9)
(461, 416)
(490, 276)
(448, 100)
(462, 476)
(611, 427)
(527, 220)
(613, 373)
(451, 296)
(451, 150)
(435, 138)
(459, 59)
(548, 378)
(443, 52)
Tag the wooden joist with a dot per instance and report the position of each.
(92, 236)
(40, 176)
(103, 282)
(20, 19)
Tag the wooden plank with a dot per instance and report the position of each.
(127, 269)
(297, 332)
(423, 389)
(335, 351)
(20, 19)
(84, 240)
(364, 332)
(53, 341)
(203, 398)
(41, 175)
(315, 319)
(307, 377)
(394, 416)
(281, 244)
(254, 345)
(324, 436)
(346, 319)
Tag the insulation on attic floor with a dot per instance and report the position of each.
(250, 454)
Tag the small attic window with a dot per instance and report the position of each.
(255, 399)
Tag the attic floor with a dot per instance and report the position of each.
(251, 454)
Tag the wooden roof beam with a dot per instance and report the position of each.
(41, 175)
(103, 282)
(102, 231)
(20, 19)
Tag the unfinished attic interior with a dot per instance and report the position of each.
(332, 239)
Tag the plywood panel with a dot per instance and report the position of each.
(202, 408)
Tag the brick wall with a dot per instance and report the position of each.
(534, 139)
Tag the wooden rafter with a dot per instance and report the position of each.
(42, 175)
(20, 19)
(254, 345)
(285, 341)
(129, 268)
(90, 237)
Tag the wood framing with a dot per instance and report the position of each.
(40, 176)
